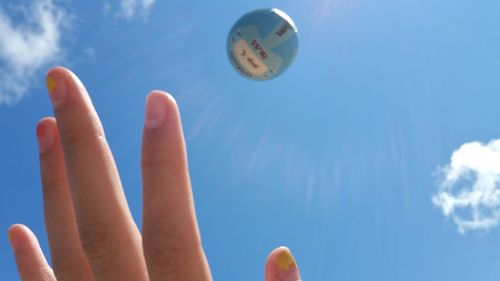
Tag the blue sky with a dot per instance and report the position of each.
(346, 157)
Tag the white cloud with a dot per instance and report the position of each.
(469, 186)
(129, 8)
(28, 46)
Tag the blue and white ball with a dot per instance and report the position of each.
(262, 44)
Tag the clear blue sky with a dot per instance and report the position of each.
(336, 158)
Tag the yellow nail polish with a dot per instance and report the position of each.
(286, 261)
(51, 84)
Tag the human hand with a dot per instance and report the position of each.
(90, 229)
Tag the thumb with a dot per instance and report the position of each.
(281, 266)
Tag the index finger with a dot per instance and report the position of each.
(109, 237)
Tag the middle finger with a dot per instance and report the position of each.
(109, 237)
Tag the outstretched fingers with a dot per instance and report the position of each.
(91, 231)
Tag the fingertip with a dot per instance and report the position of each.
(54, 74)
(19, 229)
(30, 260)
(47, 122)
(282, 257)
(18, 233)
(278, 250)
(281, 266)
(63, 73)
(57, 84)
(47, 119)
(158, 106)
(57, 70)
(46, 132)
(163, 96)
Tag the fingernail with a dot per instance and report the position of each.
(285, 261)
(12, 240)
(286, 266)
(45, 136)
(156, 109)
(56, 85)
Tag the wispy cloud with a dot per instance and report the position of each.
(28, 45)
(469, 186)
(130, 8)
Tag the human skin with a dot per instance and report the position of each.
(91, 232)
